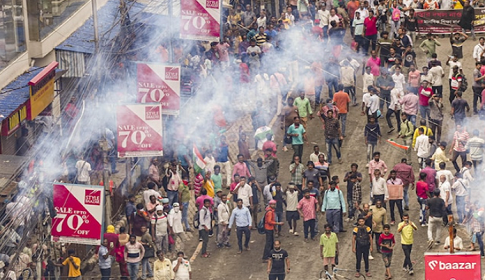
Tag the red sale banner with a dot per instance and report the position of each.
(444, 266)
(200, 19)
(159, 83)
(139, 130)
(79, 214)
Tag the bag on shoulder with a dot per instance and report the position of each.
(362, 237)
(196, 222)
(396, 14)
(261, 223)
(464, 82)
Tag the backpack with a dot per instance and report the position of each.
(396, 14)
(362, 237)
(261, 223)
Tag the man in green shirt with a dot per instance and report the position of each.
(328, 247)
(428, 46)
(304, 108)
(217, 178)
(184, 199)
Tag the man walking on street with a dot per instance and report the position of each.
(297, 133)
(223, 213)
(332, 136)
(307, 209)
(334, 205)
(395, 190)
(405, 172)
(278, 262)
(407, 228)
(270, 223)
(205, 226)
(328, 247)
(134, 253)
(243, 224)
(342, 101)
(292, 215)
(436, 207)
(362, 245)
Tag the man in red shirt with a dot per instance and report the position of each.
(422, 191)
(342, 100)
(425, 93)
(269, 226)
(370, 32)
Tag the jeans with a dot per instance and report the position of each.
(407, 256)
(372, 39)
(460, 207)
(146, 268)
(370, 150)
(477, 94)
(343, 120)
(310, 224)
(268, 246)
(398, 118)
(276, 276)
(424, 112)
(434, 225)
(133, 270)
(362, 251)
(332, 143)
(422, 212)
(351, 207)
(297, 150)
(332, 84)
(359, 39)
(412, 119)
(279, 217)
(455, 155)
(380, 197)
(438, 90)
(351, 92)
(435, 126)
(471, 30)
(318, 93)
(385, 100)
(375, 236)
(480, 242)
(173, 196)
(406, 195)
(247, 235)
(222, 237)
(398, 203)
(185, 212)
(105, 273)
(333, 219)
(394, 28)
(205, 239)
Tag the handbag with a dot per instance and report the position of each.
(149, 252)
(287, 139)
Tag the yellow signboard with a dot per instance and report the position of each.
(41, 98)
(15, 119)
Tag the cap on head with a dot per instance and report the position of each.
(272, 201)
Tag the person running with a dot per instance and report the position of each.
(278, 263)
(406, 228)
(328, 247)
(422, 192)
(362, 245)
(386, 242)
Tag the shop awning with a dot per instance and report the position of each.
(17, 92)
(10, 166)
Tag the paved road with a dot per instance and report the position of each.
(304, 257)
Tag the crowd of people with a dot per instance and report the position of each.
(249, 194)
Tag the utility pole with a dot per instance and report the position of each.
(170, 39)
(221, 22)
(450, 232)
(95, 22)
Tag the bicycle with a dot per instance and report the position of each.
(325, 275)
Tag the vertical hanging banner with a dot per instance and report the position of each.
(200, 20)
(159, 83)
(139, 130)
(80, 212)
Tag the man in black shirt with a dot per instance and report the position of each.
(277, 261)
(436, 207)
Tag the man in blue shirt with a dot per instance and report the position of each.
(243, 224)
(298, 134)
(334, 205)
(223, 161)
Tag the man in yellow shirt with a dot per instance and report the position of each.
(162, 268)
(209, 184)
(439, 155)
(407, 228)
(427, 131)
(74, 266)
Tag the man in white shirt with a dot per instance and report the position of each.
(399, 79)
(175, 226)
(452, 62)
(223, 214)
(181, 267)
(437, 75)
(445, 194)
(151, 191)
(466, 172)
(476, 146)
(457, 242)
(379, 189)
(422, 147)
(460, 187)
(364, 13)
(291, 208)
(245, 192)
(83, 170)
(450, 178)
(478, 49)
(374, 103)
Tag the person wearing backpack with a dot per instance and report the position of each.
(395, 19)
(270, 223)
(334, 205)
(243, 219)
(362, 245)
